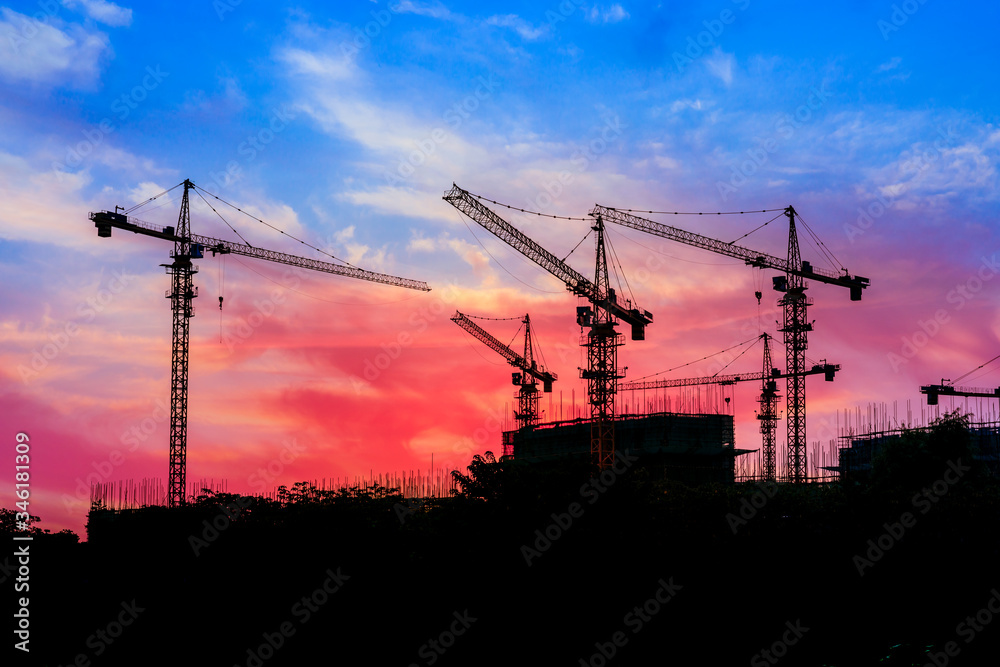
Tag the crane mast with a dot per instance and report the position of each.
(602, 372)
(181, 296)
(527, 380)
(601, 317)
(795, 326)
(187, 247)
(768, 414)
(527, 395)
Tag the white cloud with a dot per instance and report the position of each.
(613, 14)
(106, 12)
(43, 207)
(229, 99)
(317, 64)
(421, 244)
(344, 235)
(954, 164)
(519, 25)
(893, 66)
(278, 214)
(379, 128)
(122, 160)
(144, 190)
(571, 50)
(471, 254)
(411, 150)
(401, 201)
(432, 9)
(40, 52)
(341, 244)
(686, 104)
(721, 64)
(889, 65)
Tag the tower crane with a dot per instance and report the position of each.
(948, 388)
(934, 390)
(188, 247)
(794, 305)
(602, 342)
(768, 399)
(531, 373)
(768, 415)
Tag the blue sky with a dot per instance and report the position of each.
(344, 125)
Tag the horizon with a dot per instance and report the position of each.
(344, 127)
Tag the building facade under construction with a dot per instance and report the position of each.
(690, 447)
(856, 458)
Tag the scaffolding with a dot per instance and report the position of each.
(857, 454)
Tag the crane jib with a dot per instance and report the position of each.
(752, 257)
(828, 370)
(512, 357)
(575, 282)
(105, 221)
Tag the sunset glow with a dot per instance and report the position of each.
(344, 126)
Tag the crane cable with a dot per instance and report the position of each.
(198, 189)
(614, 267)
(757, 275)
(223, 219)
(830, 257)
(523, 210)
(319, 298)
(166, 202)
(974, 370)
(494, 319)
(734, 359)
(127, 211)
(576, 246)
(756, 228)
(305, 294)
(621, 269)
(635, 210)
(623, 210)
(535, 343)
(475, 348)
(515, 335)
(281, 231)
(675, 257)
(222, 288)
(755, 338)
(483, 246)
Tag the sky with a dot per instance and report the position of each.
(343, 125)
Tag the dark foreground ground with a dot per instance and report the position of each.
(541, 567)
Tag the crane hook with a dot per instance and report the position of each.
(758, 294)
(220, 303)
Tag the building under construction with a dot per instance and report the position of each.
(856, 458)
(690, 447)
(686, 440)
